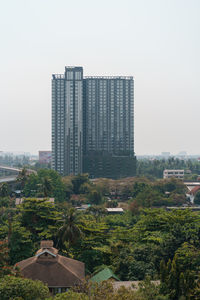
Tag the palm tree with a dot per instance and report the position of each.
(69, 231)
(47, 186)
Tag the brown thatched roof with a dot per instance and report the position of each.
(52, 268)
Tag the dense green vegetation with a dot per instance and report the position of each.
(12, 287)
(145, 242)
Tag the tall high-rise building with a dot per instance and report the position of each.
(67, 98)
(108, 114)
(93, 124)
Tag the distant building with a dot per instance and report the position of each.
(173, 173)
(191, 184)
(165, 154)
(93, 124)
(58, 272)
(192, 193)
(67, 133)
(108, 131)
(182, 153)
(44, 157)
(105, 274)
(115, 210)
(83, 207)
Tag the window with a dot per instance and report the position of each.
(69, 75)
(77, 75)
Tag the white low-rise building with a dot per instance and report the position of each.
(115, 210)
(173, 173)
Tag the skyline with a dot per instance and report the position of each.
(155, 41)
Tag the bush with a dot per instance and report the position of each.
(70, 295)
(24, 289)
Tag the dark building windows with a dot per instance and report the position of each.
(93, 123)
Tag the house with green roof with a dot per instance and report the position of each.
(103, 275)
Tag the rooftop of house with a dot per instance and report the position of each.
(115, 210)
(51, 268)
(195, 190)
(103, 275)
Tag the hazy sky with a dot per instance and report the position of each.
(156, 41)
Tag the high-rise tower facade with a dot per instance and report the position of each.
(67, 98)
(108, 120)
(108, 114)
(93, 124)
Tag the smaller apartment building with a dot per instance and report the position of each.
(173, 173)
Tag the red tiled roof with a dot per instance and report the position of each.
(194, 190)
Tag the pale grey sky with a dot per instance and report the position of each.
(156, 41)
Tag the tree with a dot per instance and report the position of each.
(6, 219)
(149, 290)
(39, 216)
(85, 188)
(97, 211)
(69, 231)
(22, 177)
(21, 246)
(103, 185)
(46, 187)
(31, 186)
(95, 197)
(45, 183)
(112, 203)
(138, 187)
(148, 197)
(67, 181)
(197, 198)
(176, 283)
(4, 259)
(4, 202)
(134, 207)
(4, 190)
(188, 257)
(104, 290)
(70, 295)
(58, 187)
(78, 181)
(20, 288)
